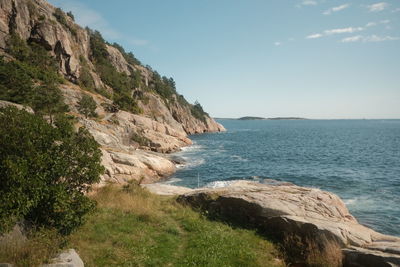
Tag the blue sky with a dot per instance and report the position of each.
(306, 58)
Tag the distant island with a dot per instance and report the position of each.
(251, 118)
(261, 118)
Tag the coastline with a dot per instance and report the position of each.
(358, 243)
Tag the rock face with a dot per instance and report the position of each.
(127, 139)
(301, 218)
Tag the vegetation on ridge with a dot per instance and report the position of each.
(122, 84)
(31, 79)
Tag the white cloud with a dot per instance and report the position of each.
(343, 30)
(309, 3)
(86, 16)
(374, 23)
(335, 31)
(277, 43)
(314, 36)
(368, 39)
(396, 10)
(336, 9)
(377, 7)
(352, 39)
(375, 38)
(371, 24)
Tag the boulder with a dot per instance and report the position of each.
(166, 189)
(68, 258)
(4, 104)
(301, 218)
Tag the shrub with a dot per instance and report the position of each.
(69, 14)
(60, 16)
(87, 106)
(15, 82)
(140, 139)
(129, 57)
(86, 79)
(198, 112)
(45, 171)
(48, 100)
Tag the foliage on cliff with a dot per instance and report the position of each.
(87, 106)
(122, 84)
(45, 171)
(32, 78)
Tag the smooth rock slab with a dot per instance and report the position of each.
(304, 216)
(68, 258)
(166, 189)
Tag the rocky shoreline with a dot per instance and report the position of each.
(302, 219)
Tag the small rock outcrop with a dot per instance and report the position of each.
(68, 258)
(4, 104)
(304, 219)
(166, 189)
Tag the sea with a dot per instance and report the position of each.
(359, 160)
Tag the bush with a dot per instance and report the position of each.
(87, 106)
(32, 78)
(86, 79)
(45, 171)
(198, 112)
(60, 16)
(48, 100)
(15, 82)
(140, 139)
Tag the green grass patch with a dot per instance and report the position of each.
(132, 227)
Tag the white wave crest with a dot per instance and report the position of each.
(192, 162)
(172, 180)
(192, 148)
(219, 184)
(239, 158)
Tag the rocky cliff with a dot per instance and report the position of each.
(140, 115)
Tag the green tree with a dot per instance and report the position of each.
(48, 100)
(198, 112)
(69, 14)
(87, 106)
(45, 171)
(15, 82)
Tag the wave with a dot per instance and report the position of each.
(172, 180)
(350, 201)
(192, 148)
(239, 158)
(219, 184)
(192, 162)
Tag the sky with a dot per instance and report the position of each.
(318, 59)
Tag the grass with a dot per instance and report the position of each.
(41, 245)
(132, 227)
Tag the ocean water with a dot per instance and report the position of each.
(359, 160)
